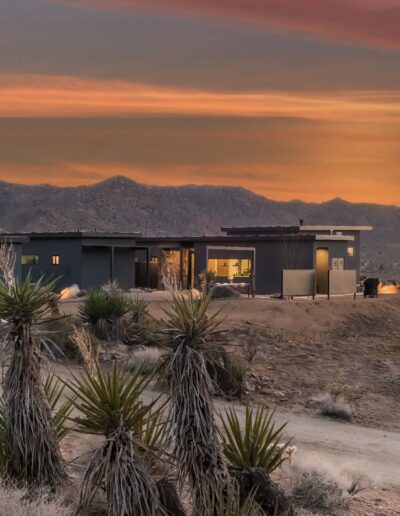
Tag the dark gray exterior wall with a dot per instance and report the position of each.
(70, 251)
(84, 261)
(124, 267)
(96, 267)
(270, 258)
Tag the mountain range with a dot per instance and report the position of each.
(120, 204)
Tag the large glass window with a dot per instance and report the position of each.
(29, 259)
(230, 268)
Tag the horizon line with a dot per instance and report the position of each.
(121, 176)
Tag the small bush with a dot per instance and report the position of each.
(107, 314)
(314, 491)
(334, 406)
(147, 358)
(238, 370)
(258, 445)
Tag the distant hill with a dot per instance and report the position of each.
(120, 204)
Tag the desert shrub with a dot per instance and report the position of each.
(138, 309)
(87, 350)
(107, 314)
(111, 287)
(258, 445)
(206, 281)
(339, 389)
(17, 502)
(110, 406)
(59, 334)
(148, 359)
(238, 370)
(334, 406)
(314, 491)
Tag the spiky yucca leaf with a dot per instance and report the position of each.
(54, 389)
(138, 308)
(110, 405)
(189, 321)
(258, 444)
(25, 302)
(106, 313)
(229, 503)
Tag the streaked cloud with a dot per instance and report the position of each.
(278, 158)
(48, 96)
(374, 22)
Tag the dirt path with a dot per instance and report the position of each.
(338, 446)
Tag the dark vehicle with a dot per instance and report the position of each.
(371, 287)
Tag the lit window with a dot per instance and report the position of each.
(29, 259)
(350, 251)
(55, 259)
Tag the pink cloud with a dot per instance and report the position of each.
(375, 22)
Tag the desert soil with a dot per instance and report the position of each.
(304, 348)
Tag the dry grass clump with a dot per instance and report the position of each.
(334, 406)
(314, 491)
(86, 348)
(148, 359)
(16, 502)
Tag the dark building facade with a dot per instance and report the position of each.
(88, 259)
(256, 256)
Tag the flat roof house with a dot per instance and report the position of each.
(258, 255)
(86, 258)
(291, 260)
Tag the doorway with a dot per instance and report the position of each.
(322, 270)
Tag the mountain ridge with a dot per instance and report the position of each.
(121, 204)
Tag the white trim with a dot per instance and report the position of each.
(336, 228)
(346, 238)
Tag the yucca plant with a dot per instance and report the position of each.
(32, 454)
(53, 389)
(106, 313)
(196, 446)
(138, 309)
(258, 444)
(229, 503)
(110, 406)
(60, 413)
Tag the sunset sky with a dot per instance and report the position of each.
(289, 98)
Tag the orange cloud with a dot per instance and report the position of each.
(373, 22)
(49, 96)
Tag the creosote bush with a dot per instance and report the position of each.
(334, 406)
(313, 490)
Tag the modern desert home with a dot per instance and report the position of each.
(262, 256)
(286, 260)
